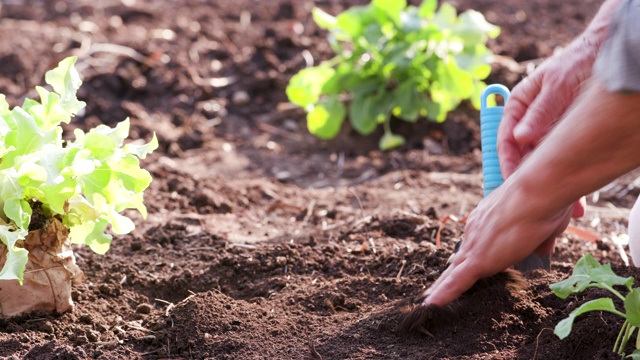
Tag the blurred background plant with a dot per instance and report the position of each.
(393, 60)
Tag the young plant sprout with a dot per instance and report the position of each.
(72, 189)
(588, 273)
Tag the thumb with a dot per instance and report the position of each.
(532, 128)
(523, 133)
(543, 113)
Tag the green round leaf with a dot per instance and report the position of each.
(305, 87)
(632, 307)
(390, 141)
(326, 118)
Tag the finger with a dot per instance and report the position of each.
(579, 208)
(543, 112)
(547, 247)
(509, 154)
(509, 151)
(454, 282)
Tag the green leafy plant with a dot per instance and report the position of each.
(85, 182)
(588, 273)
(393, 59)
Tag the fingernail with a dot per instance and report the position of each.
(426, 294)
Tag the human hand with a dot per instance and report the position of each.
(494, 241)
(537, 104)
(539, 101)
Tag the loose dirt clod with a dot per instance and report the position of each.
(416, 317)
(425, 319)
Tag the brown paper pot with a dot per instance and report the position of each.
(50, 270)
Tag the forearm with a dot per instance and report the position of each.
(596, 142)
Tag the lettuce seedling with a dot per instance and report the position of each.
(86, 182)
(393, 60)
(588, 273)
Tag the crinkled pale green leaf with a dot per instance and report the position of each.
(563, 329)
(52, 163)
(4, 105)
(26, 136)
(101, 146)
(134, 201)
(83, 165)
(31, 174)
(16, 257)
(141, 151)
(325, 120)
(81, 208)
(50, 113)
(65, 80)
(91, 233)
(119, 224)
(632, 307)
(118, 133)
(127, 169)
(19, 211)
(56, 195)
(96, 181)
(9, 185)
(38, 166)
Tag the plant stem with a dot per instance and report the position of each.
(626, 337)
(623, 330)
(613, 291)
(387, 125)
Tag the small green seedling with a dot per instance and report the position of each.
(588, 273)
(393, 60)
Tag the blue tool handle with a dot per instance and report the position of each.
(490, 118)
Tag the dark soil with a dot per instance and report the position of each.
(261, 241)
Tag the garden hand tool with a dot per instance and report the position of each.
(490, 118)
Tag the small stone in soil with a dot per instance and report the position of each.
(143, 309)
(86, 319)
(82, 339)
